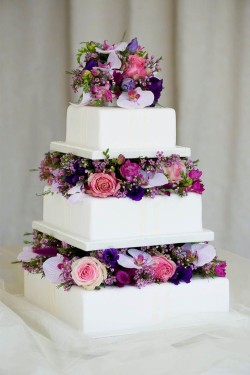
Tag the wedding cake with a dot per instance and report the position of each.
(121, 246)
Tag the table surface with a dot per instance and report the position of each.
(34, 342)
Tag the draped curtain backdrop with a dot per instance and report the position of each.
(206, 63)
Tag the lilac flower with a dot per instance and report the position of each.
(137, 259)
(155, 85)
(111, 256)
(181, 274)
(128, 84)
(46, 251)
(132, 46)
(136, 193)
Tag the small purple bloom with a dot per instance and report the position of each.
(46, 251)
(155, 85)
(90, 64)
(110, 256)
(132, 46)
(181, 274)
(129, 170)
(123, 278)
(118, 77)
(220, 269)
(128, 84)
(136, 193)
(197, 187)
(195, 174)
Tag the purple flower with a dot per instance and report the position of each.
(73, 178)
(136, 193)
(128, 84)
(90, 64)
(197, 187)
(46, 251)
(129, 170)
(133, 45)
(110, 256)
(181, 274)
(122, 278)
(220, 269)
(195, 174)
(155, 85)
(118, 77)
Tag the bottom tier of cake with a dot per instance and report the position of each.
(113, 311)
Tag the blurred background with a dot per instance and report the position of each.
(206, 71)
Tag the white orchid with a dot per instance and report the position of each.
(137, 260)
(136, 98)
(76, 194)
(51, 270)
(26, 254)
(205, 253)
(157, 179)
(113, 60)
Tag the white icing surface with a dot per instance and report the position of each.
(112, 311)
(105, 218)
(99, 128)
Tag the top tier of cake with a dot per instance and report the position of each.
(100, 128)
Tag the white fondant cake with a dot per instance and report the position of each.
(117, 128)
(98, 218)
(113, 311)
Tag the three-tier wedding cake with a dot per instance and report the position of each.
(121, 246)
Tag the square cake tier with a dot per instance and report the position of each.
(113, 311)
(106, 218)
(100, 128)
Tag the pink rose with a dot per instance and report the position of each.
(129, 170)
(103, 184)
(163, 268)
(174, 172)
(88, 272)
(136, 67)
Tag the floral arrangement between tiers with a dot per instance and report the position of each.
(124, 72)
(67, 266)
(74, 176)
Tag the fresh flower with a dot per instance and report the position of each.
(195, 174)
(107, 71)
(129, 170)
(103, 185)
(111, 256)
(76, 194)
(136, 193)
(220, 269)
(88, 272)
(46, 251)
(204, 253)
(27, 254)
(196, 187)
(164, 268)
(181, 274)
(52, 270)
(136, 98)
(175, 171)
(136, 259)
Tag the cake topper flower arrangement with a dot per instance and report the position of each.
(122, 73)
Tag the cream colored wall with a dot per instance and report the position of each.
(206, 63)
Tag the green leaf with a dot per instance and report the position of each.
(106, 153)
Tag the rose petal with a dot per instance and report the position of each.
(51, 270)
(126, 261)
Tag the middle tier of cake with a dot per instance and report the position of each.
(113, 218)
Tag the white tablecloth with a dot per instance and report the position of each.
(34, 342)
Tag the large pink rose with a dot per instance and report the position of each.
(136, 67)
(129, 170)
(174, 172)
(88, 272)
(103, 184)
(164, 268)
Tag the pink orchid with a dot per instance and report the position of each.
(136, 99)
(51, 269)
(137, 260)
